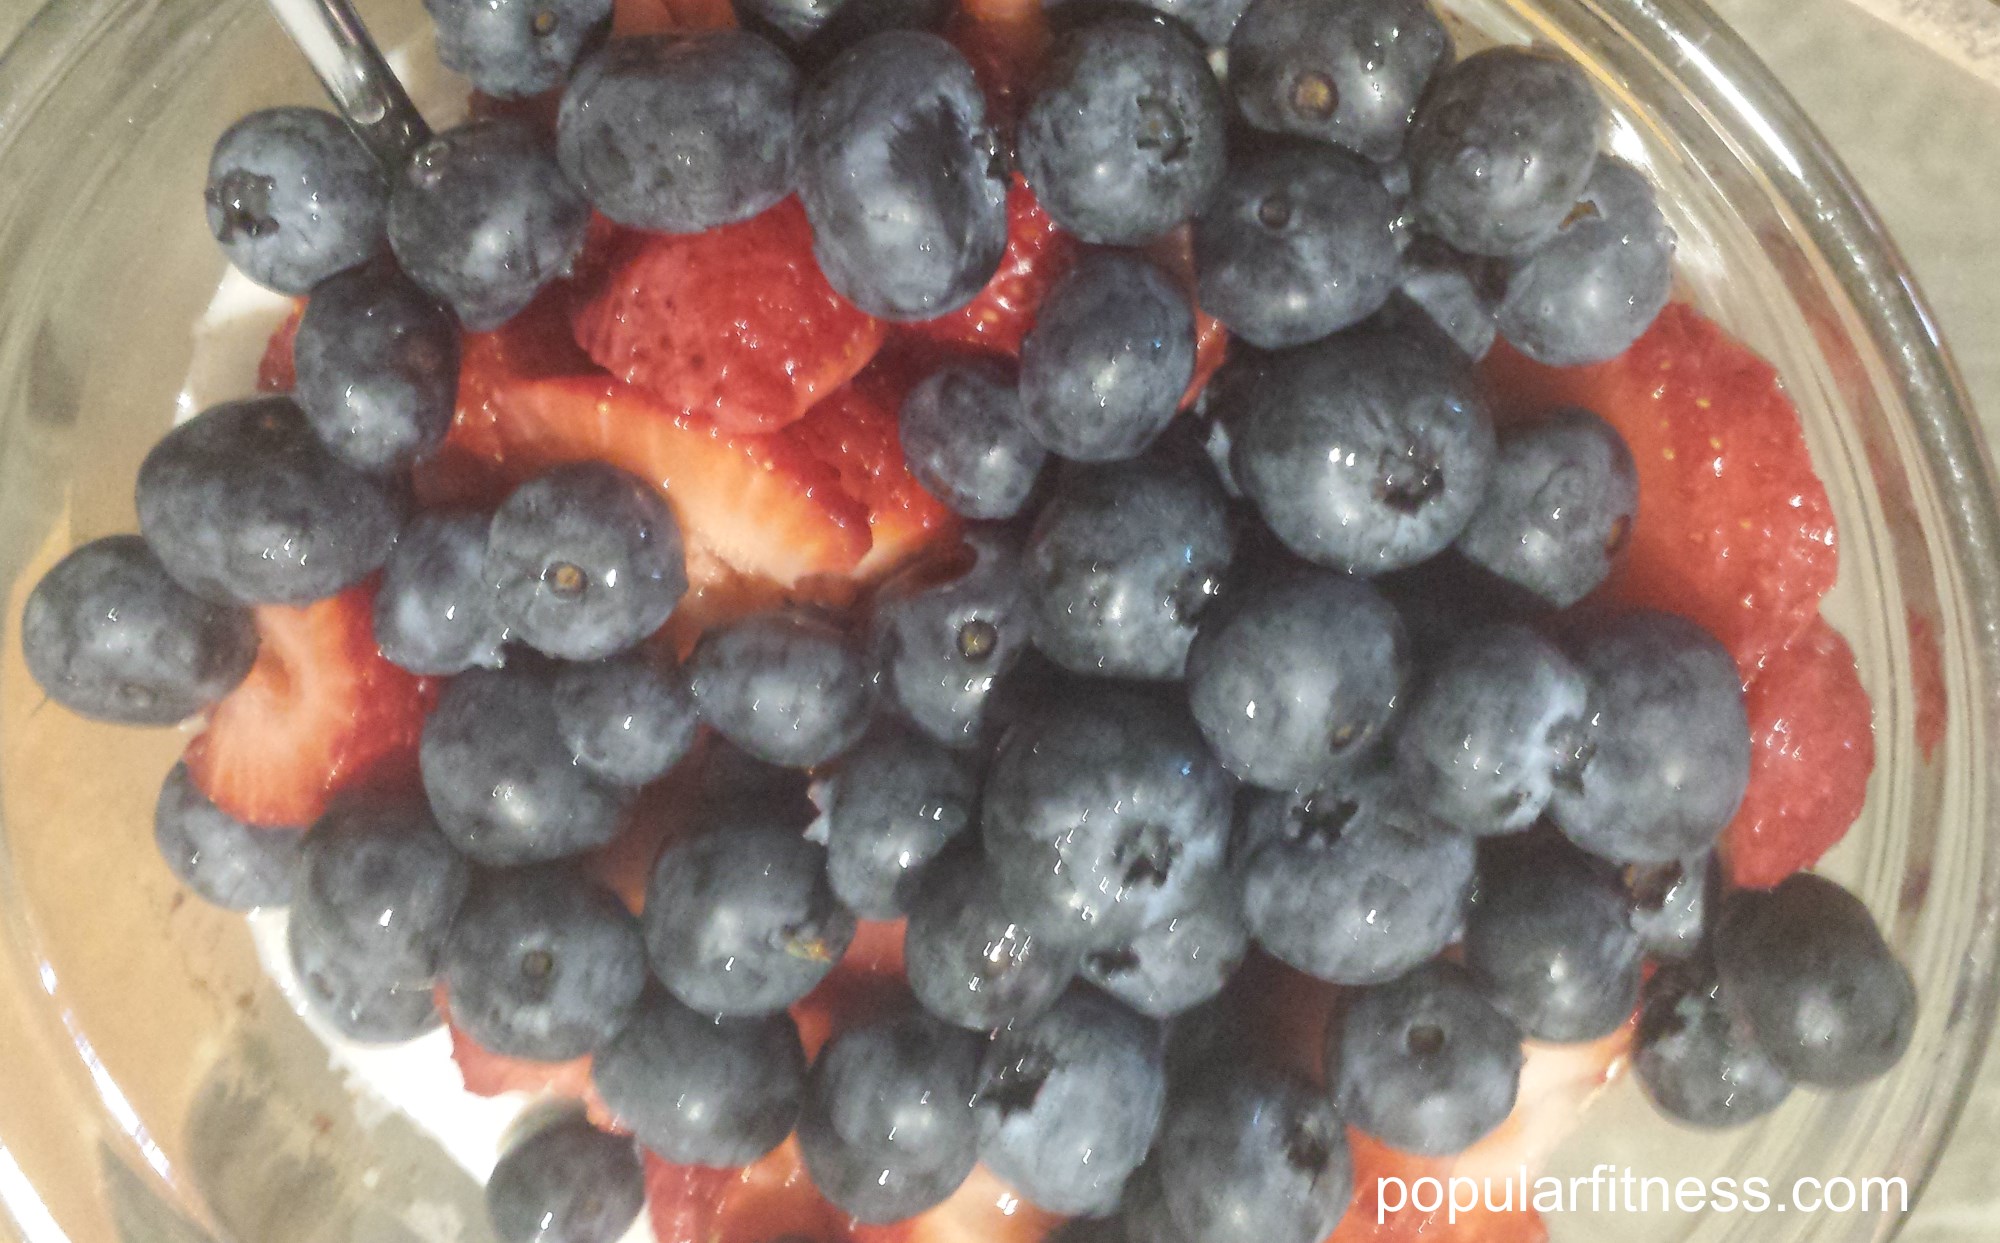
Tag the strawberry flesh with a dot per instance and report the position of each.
(1037, 255)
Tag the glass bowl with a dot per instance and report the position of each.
(158, 1087)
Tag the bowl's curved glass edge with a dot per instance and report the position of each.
(1732, 82)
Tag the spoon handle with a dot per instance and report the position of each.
(351, 67)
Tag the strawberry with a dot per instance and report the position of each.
(1734, 529)
(648, 17)
(1558, 1082)
(867, 981)
(1927, 679)
(855, 432)
(762, 505)
(1812, 747)
(1038, 253)
(1006, 42)
(982, 1210)
(321, 712)
(769, 1199)
(1175, 253)
(736, 323)
(487, 1073)
(275, 373)
(662, 813)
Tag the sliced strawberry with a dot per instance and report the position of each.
(648, 17)
(1734, 529)
(321, 712)
(762, 505)
(866, 983)
(662, 813)
(765, 1201)
(1006, 42)
(982, 1210)
(736, 323)
(275, 373)
(1927, 679)
(718, 594)
(487, 1073)
(1812, 745)
(1038, 253)
(1558, 1083)
(1175, 253)
(855, 432)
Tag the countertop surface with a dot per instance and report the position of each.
(1908, 92)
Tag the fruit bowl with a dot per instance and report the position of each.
(160, 1087)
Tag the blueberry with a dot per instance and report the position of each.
(1336, 71)
(680, 132)
(1068, 1102)
(108, 634)
(946, 632)
(1367, 451)
(482, 217)
(567, 1183)
(1124, 138)
(794, 22)
(1805, 968)
(964, 440)
(1297, 677)
(896, 801)
(358, 1001)
(243, 505)
(736, 789)
(234, 865)
(700, 1090)
(789, 687)
(627, 719)
(970, 959)
(1555, 519)
(1492, 725)
(1178, 963)
(293, 198)
(377, 365)
(505, 788)
(1210, 21)
(1459, 293)
(1253, 1155)
(900, 176)
(1124, 562)
(1590, 290)
(743, 921)
(1351, 883)
(515, 48)
(1694, 1060)
(887, 1130)
(1672, 905)
(380, 885)
(1666, 759)
(585, 561)
(1424, 1063)
(1502, 149)
(1550, 932)
(543, 964)
(434, 607)
(1111, 352)
(1448, 600)
(1105, 815)
(1298, 243)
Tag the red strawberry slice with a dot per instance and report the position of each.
(275, 373)
(646, 17)
(982, 1210)
(855, 432)
(766, 1201)
(762, 505)
(1006, 42)
(1812, 747)
(321, 712)
(1734, 529)
(1038, 253)
(736, 323)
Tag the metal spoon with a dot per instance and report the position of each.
(364, 89)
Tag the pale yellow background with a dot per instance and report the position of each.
(1917, 119)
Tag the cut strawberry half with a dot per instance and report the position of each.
(855, 431)
(321, 712)
(275, 371)
(1812, 746)
(1037, 255)
(736, 324)
(768, 1200)
(1734, 528)
(762, 505)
